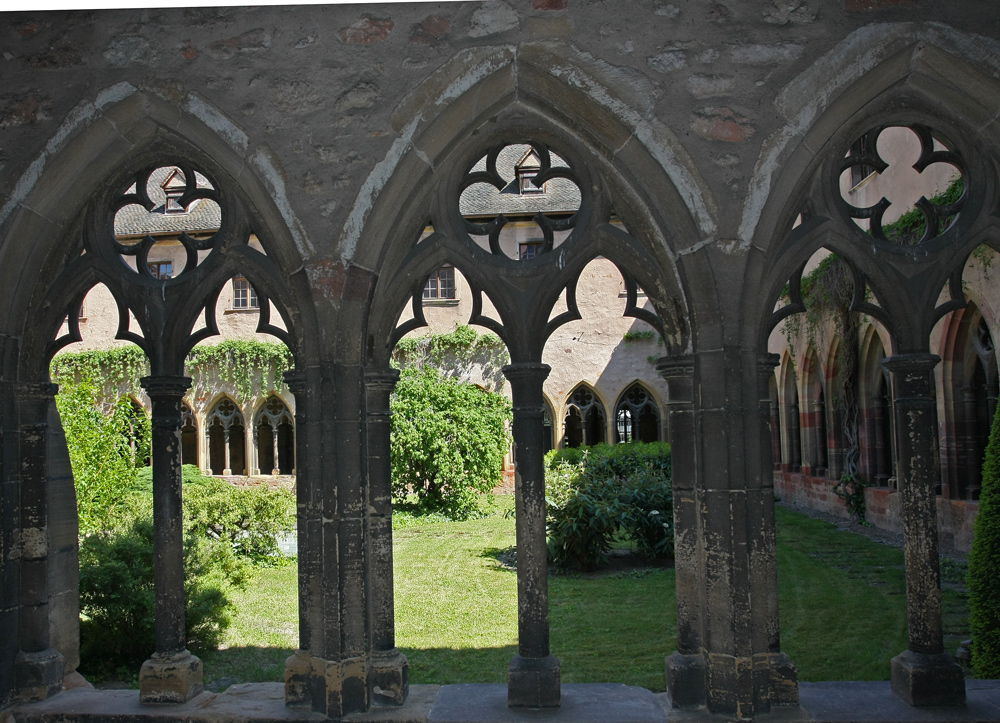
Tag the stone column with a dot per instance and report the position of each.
(533, 679)
(172, 674)
(389, 679)
(923, 674)
(298, 666)
(226, 469)
(780, 685)
(685, 669)
(38, 668)
(775, 434)
(275, 467)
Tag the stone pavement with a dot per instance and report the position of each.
(841, 702)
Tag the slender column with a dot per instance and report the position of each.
(299, 671)
(172, 674)
(275, 467)
(226, 469)
(780, 685)
(389, 679)
(775, 434)
(923, 674)
(685, 669)
(38, 668)
(533, 679)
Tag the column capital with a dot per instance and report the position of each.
(670, 367)
(165, 385)
(381, 379)
(766, 363)
(295, 380)
(919, 362)
(526, 372)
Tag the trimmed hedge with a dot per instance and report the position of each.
(984, 561)
(604, 493)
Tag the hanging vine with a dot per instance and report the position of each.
(827, 292)
(455, 354)
(251, 366)
(115, 371)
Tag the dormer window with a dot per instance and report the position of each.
(527, 169)
(173, 189)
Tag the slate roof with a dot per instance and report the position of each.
(481, 199)
(133, 220)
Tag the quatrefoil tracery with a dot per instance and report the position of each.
(519, 182)
(166, 203)
(865, 162)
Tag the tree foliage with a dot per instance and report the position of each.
(107, 442)
(448, 441)
(456, 354)
(984, 561)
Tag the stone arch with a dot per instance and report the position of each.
(813, 409)
(274, 436)
(878, 462)
(549, 425)
(225, 433)
(189, 436)
(791, 455)
(585, 422)
(637, 415)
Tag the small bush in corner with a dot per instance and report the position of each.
(602, 493)
(984, 562)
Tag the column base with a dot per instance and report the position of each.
(298, 678)
(534, 682)
(921, 679)
(783, 680)
(169, 679)
(389, 677)
(686, 676)
(38, 676)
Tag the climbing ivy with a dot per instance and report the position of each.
(827, 292)
(118, 369)
(909, 228)
(252, 366)
(455, 354)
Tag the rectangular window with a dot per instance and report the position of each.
(527, 185)
(529, 250)
(441, 284)
(244, 295)
(864, 145)
(161, 269)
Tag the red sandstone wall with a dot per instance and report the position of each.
(955, 517)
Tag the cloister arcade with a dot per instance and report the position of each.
(715, 228)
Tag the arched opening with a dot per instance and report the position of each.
(226, 438)
(585, 422)
(274, 436)
(637, 418)
(189, 436)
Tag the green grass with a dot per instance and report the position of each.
(841, 596)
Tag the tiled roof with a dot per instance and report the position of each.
(133, 220)
(482, 199)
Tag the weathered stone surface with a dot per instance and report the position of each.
(495, 16)
(18, 110)
(705, 86)
(367, 30)
(362, 95)
(722, 124)
(253, 41)
(549, 4)
(430, 30)
(668, 60)
(782, 12)
(759, 54)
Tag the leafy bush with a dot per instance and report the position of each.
(105, 442)
(598, 494)
(984, 561)
(448, 441)
(117, 598)
(249, 519)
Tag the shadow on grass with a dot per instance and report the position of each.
(447, 666)
(243, 665)
(506, 557)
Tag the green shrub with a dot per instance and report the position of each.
(984, 561)
(249, 519)
(602, 493)
(118, 604)
(448, 441)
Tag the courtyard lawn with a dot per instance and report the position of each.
(842, 605)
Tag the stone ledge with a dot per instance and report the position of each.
(836, 702)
